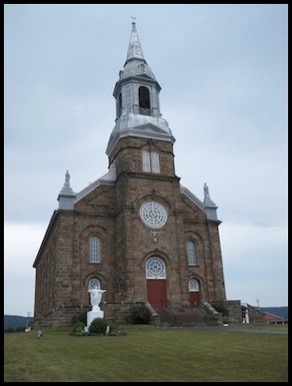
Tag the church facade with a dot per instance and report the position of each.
(135, 232)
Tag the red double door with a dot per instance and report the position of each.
(194, 298)
(156, 293)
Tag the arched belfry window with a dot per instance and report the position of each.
(120, 105)
(144, 101)
(94, 249)
(150, 161)
(191, 253)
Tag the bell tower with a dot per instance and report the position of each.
(137, 100)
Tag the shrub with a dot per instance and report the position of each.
(140, 314)
(220, 307)
(78, 327)
(79, 317)
(98, 326)
(113, 327)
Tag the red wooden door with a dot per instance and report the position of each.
(156, 293)
(194, 298)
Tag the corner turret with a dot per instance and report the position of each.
(66, 197)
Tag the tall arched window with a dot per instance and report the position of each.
(144, 101)
(150, 161)
(94, 249)
(191, 253)
(155, 162)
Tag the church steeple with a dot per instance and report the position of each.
(134, 49)
(137, 99)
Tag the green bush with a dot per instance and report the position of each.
(78, 327)
(140, 314)
(79, 317)
(113, 327)
(98, 326)
(220, 307)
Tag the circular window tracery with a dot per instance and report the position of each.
(155, 268)
(94, 283)
(153, 214)
(193, 285)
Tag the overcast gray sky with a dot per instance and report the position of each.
(223, 70)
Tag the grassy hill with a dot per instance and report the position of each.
(15, 321)
(279, 311)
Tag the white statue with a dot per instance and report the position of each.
(95, 297)
(206, 192)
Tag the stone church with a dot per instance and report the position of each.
(135, 232)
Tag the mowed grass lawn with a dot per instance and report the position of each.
(146, 354)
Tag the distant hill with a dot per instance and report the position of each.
(278, 311)
(15, 321)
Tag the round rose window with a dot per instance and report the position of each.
(153, 214)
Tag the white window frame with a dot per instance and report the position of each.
(191, 252)
(155, 268)
(150, 161)
(94, 249)
(193, 285)
(94, 283)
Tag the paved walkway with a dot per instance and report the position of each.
(233, 328)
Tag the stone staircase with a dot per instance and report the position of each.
(203, 315)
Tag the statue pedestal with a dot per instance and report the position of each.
(94, 313)
(95, 297)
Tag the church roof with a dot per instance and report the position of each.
(108, 179)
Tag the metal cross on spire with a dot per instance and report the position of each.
(133, 18)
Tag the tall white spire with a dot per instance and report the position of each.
(134, 49)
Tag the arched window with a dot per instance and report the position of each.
(191, 253)
(94, 283)
(155, 268)
(155, 162)
(94, 249)
(193, 285)
(150, 161)
(144, 101)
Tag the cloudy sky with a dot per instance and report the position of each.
(223, 70)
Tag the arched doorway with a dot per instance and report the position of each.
(194, 292)
(156, 282)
